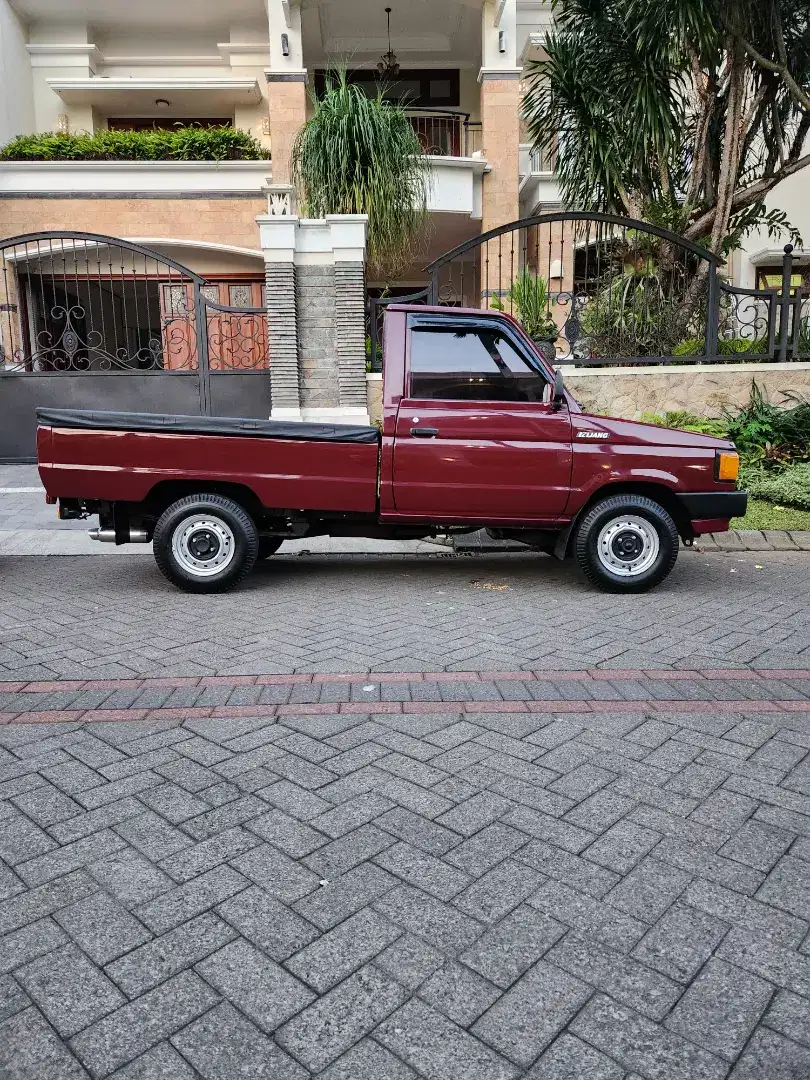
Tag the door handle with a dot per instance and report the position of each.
(425, 432)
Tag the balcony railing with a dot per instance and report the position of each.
(445, 132)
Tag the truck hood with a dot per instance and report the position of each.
(608, 429)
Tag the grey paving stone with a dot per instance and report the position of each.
(649, 889)
(34, 904)
(740, 910)
(330, 1026)
(570, 869)
(473, 814)
(173, 803)
(545, 827)
(130, 877)
(789, 1014)
(617, 975)
(428, 835)
(638, 1043)
(568, 1058)
(102, 927)
(46, 805)
(172, 908)
(681, 942)
(218, 849)
(591, 918)
(69, 857)
(712, 867)
(499, 891)
(459, 993)
(769, 1056)
(347, 851)
(265, 992)
(145, 967)
(30, 1049)
(29, 942)
(600, 810)
(21, 839)
(529, 1016)
(277, 873)
(128, 1032)
(435, 1046)
(410, 960)
(187, 774)
(270, 925)
(90, 821)
(416, 867)
(763, 957)
(721, 1008)
(507, 949)
(788, 887)
(222, 1045)
(757, 845)
(160, 1063)
(439, 923)
(343, 950)
(71, 992)
(12, 999)
(153, 836)
(342, 897)
(368, 1061)
(294, 837)
(622, 846)
(352, 814)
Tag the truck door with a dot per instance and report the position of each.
(477, 436)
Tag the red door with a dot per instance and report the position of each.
(477, 438)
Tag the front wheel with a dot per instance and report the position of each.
(205, 543)
(626, 544)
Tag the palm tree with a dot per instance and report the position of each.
(360, 155)
(683, 112)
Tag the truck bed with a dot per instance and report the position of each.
(122, 456)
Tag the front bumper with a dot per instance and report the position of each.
(714, 505)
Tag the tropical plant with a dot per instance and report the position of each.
(529, 300)
(789, 487)
(361, 155)
(686, 421)
(179, 143)
(685, 113)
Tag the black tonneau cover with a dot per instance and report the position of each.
(205, 425)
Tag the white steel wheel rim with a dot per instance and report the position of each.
(628, 545)
(203, 545)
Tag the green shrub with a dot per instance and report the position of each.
(790, 487)
(529, 298)
(192, 143)
(725, 347)
(686, 421)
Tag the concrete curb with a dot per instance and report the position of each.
(734, 540)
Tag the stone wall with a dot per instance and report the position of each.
(697, 388)
(317, 345)
(374, 393)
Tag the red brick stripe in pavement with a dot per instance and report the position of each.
(591, 674)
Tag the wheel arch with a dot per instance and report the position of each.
(660, 493)
(166, 492)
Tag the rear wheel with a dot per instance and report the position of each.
(205, 543)
(626, 543)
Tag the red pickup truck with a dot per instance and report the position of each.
(478, 430)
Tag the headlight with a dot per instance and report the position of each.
(726, 465)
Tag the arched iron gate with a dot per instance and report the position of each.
(94, 321)
(599, 289)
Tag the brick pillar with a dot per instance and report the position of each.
(287, 104)
(500, 135)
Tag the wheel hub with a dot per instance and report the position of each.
(203, 545)
(628, 546)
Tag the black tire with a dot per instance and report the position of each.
(224, 545)
(629, 559)
(268, 546)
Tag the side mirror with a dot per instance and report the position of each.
(558, 396)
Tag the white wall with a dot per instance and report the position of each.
(16, 86)
(792, 196)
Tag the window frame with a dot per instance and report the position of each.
(506, 329)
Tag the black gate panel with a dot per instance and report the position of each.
(235, 393)
(20, 396)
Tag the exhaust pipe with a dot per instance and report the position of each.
(107, 536)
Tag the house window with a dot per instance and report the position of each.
(166, 123)
(770, 277)
(424, 89)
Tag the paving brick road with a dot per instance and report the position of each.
(392, 818)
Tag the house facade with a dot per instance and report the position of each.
(90, 65)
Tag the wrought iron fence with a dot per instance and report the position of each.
(598, 289)
(445, 132)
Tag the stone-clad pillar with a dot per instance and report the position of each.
(316, 313)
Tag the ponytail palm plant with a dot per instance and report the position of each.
(360, 155)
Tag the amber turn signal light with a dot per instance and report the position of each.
(727, 465)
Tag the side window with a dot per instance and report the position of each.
(476, 364)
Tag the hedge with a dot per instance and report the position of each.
(177, 144)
